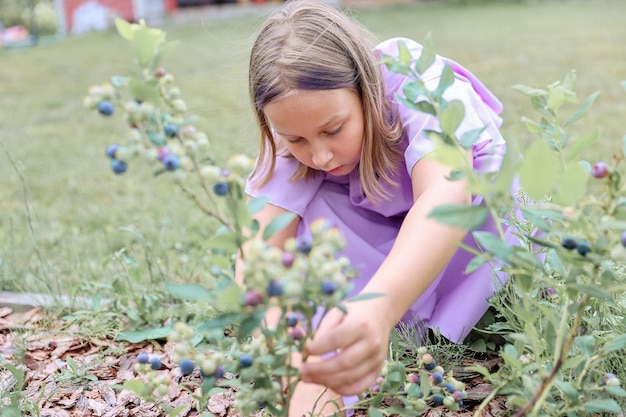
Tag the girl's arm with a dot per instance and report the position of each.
(422, 249)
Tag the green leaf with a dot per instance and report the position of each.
(135, 385)
(591, 290)
(568, 389)
(119, 81)
(404, 55)
(229, 241)
(571, 185)
(617, 391)
(529, 91)
(464, 216)
(508, 168)
(124, 29)
(278, 223)
(255, 205)
(446, 80)
(152, 333)
(423, 106)
(451, 117)
(618, 343)
(373, 412)
(413, 90)
(144, 44)
(230, 297)
(582, 110)
(144, 91)
(582, 143)
(367, 296)
(427, 57)
(607, 404)
(469, 138)
(188, 291)
(479, 369)
(531, 125)
(493, 244)
(539, 170)
(474, 264)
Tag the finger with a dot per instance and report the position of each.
(329, 337)
(358, 378)
(359, 386)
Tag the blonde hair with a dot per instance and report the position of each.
(310, 45)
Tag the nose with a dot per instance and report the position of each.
(321, 154)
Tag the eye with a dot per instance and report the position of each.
(334, 131)
(294, 140)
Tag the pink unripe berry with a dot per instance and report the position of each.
(253, 298)
(296, 333)
(412, 378)
(288, 259)
(427, 358)
(380, 380)
(600, 170)
(375, 388)
(163, 152)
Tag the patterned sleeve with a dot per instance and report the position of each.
(482, 108)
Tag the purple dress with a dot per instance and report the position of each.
(455, 301)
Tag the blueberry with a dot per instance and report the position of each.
(219, 373)
(600, 170)
(170, 130)
(329, 287)
(569, 243)
(437, 400)
(606, 377)
(155, 363)
(171, 162)
(292, 320)
(624, 239)
(143, 358)
(106, 108)
(304, 244)
(245, 361)
(583, 248)
(186, 366)
(112, 150)
(221, 188)
(119, 167)
(437, 378)
(296, 333)
(449, 387)
(275, 289)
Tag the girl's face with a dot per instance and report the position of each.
(323, 129)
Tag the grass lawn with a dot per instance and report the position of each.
(62, 209)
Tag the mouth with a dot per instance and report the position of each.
(334, 171)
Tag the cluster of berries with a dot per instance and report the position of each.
(441, 389)
(308, 271)
(582, 247)
(162, 135)
(157, 384)
(210, 364)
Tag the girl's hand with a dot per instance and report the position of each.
(360, 340)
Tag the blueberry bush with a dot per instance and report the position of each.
(560, 314)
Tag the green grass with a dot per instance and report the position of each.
(76, 206)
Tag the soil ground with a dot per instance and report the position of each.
(30, 340)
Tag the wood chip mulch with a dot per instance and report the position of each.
(29, 341)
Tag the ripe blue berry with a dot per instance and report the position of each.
(600, 170)
(292, 320)
(437, 400)
(245, 361)
(624, 239)
(437, 378)
(186, 366)
(449, 387)
(119, 167)
(221, 188)
(112, 150)
(171, 162)
(155, 363)
(170, 130)
(569, 243)
(329, 287)
(275, 289)
(583, 248)
(304, 244)
(106, 108)
(143, 358)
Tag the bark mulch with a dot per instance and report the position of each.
(29, 340)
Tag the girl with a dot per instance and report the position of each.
(337, 144)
